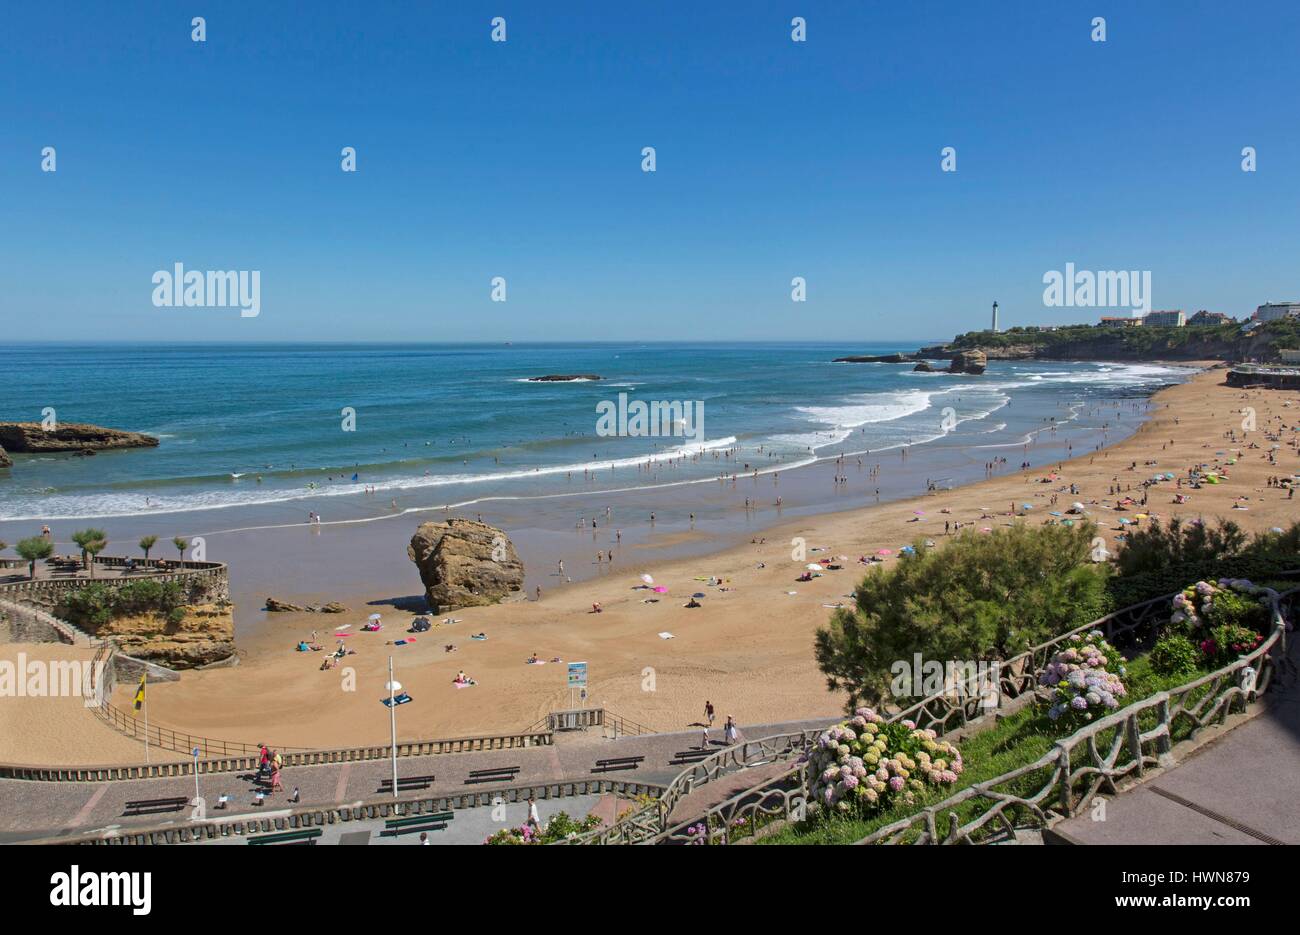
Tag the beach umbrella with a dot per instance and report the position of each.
(374, 618)
(1276, 529)
(1026, 506)
(813, 567)
(1077, 506)
(698, 594)
(907, 549)
(922, 512)
(660, 589)
(647, 579)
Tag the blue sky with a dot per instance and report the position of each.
(775, 159)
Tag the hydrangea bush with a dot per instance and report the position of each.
(1083, 680)
(1223, 619)
(557, 829)
(865, 764)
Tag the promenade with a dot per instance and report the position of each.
(33, 809)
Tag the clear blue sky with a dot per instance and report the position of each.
(775, 159)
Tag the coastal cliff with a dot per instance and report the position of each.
(32, 438)
(1226, 342)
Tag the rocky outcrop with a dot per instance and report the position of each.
(465, 564)
(204, 635)
(31, 438)
(276, 606)
(973, 362)
(5, 460)
(564, 377)
(876, 359)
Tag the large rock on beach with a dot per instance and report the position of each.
(31, 438)
(972, 362)
(5, 460)
(465, 564)
(276, 606)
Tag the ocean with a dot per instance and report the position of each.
(348, 430)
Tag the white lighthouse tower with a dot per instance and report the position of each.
(995, 317)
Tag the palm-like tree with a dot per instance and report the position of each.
(181, 544)
(146, 544)
(94, 547)
(84, 538)
(34, 549)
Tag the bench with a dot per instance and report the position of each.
(406, 783)
(149, 806)
(689, 756)
(302, 836)
(434, 821)
(492, 775)
(616, 763)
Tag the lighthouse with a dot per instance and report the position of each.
(995, 317)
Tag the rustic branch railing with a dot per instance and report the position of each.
(1131, 628)
(1059, 784)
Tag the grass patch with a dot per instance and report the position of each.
(1014, 742)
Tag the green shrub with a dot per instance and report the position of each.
(97, 604)
(1174, 654)
(978, 597)
(1239, 610)
(1126, 590)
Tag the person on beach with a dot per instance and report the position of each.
(704, 738)
(708, 712)
(534, 819)
(729, 732)
(275, 780)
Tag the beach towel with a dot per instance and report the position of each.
(469, 684)
(478, 637)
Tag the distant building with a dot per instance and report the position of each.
(1272, 311)
(1108, 321)
(1209, 318)
(1167, 319)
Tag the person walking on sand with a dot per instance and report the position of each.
(708, 712)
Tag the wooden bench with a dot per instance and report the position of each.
(406, 783)
(618, 762)
(492, 775)
(302, 836)
(150, 806)
(689, 756)
(434, 821)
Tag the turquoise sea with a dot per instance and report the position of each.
(248, 425)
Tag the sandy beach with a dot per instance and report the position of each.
(748, 649)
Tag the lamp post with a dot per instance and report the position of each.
(392, 687)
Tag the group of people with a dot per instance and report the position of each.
(730, 733)
(268, 764)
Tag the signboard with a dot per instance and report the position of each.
(577, 675)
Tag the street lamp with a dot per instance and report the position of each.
(393, 687)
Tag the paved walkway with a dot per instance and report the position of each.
(1238, 789)
(42, 809)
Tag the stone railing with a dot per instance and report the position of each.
(30, 624)
(208, 828)
(212, 576)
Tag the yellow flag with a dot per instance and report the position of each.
(139, 694)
